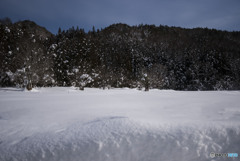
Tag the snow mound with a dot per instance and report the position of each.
(120, 138)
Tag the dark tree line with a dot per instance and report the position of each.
(144, 56)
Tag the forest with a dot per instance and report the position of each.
(143, 57)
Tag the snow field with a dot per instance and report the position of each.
(59, 124)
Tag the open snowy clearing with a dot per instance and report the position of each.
(64, 124)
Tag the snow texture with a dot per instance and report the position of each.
(64, 124)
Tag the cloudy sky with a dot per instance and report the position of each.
(52, 14)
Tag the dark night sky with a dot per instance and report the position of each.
(52, 14)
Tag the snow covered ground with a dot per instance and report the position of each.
(64, 124)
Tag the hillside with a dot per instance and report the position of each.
(144, 56)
